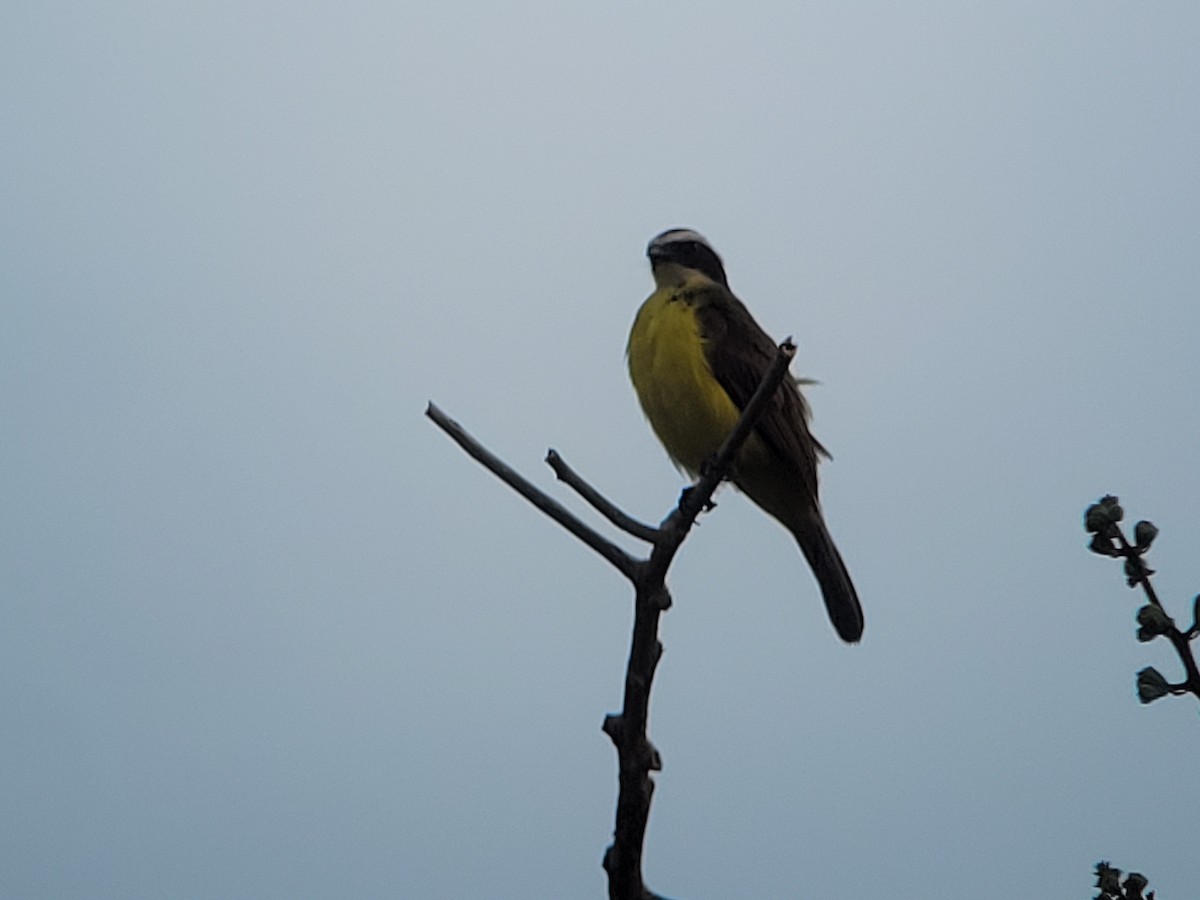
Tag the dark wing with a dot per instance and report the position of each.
(740, 353)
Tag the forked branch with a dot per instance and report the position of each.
(636, 755)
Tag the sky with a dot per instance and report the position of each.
(269, 633)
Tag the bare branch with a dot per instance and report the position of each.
(555, 510)
(601, 503)
(637, 757)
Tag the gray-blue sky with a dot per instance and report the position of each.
(269, 634)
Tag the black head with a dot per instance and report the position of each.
(686, 248)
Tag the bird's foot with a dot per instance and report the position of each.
(709, 505)
(707, 466)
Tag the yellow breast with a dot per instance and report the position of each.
(687, 407)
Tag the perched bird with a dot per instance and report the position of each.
(696, 356)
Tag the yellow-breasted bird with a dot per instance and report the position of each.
(696, 356)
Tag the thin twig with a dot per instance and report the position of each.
(599, 502)
(627, 565)
(1140, 571)
(749, 418)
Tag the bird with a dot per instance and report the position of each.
(696, 356)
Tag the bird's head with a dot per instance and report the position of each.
(680, 254)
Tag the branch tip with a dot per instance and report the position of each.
(623, 562)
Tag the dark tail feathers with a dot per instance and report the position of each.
(826, 563)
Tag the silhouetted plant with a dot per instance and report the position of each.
(1111, 887)
(1102, 521)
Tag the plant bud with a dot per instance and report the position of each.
(1151, 685)
(1108, 879)
(1135, 883)
(1144, 534)
(1115, 513)
(1095, 519)
(1154, 621)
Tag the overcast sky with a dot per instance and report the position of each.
(268, 633)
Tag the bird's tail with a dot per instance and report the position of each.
(838, 590)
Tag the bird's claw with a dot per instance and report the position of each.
(709, 505)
